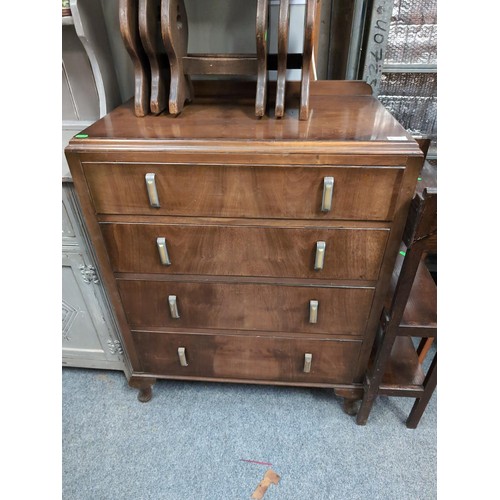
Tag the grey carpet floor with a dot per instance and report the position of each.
(190, 442)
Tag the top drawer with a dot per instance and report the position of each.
(359, 193)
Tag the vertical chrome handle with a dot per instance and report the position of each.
(162, 250)
(326, 203)
(181, 351)
(320, 255)
(172, 303)
(307, 362)
(152, 192)
(313, 311)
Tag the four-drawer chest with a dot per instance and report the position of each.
(248, 250)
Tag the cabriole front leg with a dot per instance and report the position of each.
(351, 399)
(145, 386)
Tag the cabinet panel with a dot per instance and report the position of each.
(84, 331)
(89, 337)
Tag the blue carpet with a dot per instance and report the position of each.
(188, 443)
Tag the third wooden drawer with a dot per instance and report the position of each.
(246, 306)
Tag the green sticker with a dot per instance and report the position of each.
(419, 179)
(81, 136)
(402, 253)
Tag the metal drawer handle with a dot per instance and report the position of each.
(181, 351)
(162, 250)
(307, 362)
(172, 303)
(313, 311)
(320, 255)
(152, 192)
(326, 203)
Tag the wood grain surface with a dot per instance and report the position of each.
(360, 193)
(346, 121)
(261, 41)
(283, 29)
(150, 32)
(175, 35)
(263, 358)
(240, 209)
(307, 58)
(246, 306)
(129, 29)
(245, 251)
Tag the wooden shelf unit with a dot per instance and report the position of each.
(395, 367)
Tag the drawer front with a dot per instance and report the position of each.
(232, 250)
(247, 358)
(359, 193)
(246, 306)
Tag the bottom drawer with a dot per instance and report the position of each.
(248, 357)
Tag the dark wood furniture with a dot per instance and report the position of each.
(156, 35)
(248, 250)
(396, 369)
(129, 28)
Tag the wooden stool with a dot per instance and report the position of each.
(411, 312)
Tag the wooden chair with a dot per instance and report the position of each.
(174, 30)
(163, 80)
(128, 11)
(396, 369)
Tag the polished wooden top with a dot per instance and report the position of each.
(344, 117)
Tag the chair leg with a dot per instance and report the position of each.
(261, 45)
(369, 396)
(421, 403)
(283, 28)
(423, 349)
(374, 376)
(307, 56)
(174, 30)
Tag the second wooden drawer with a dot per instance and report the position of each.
(232, 250)
(246, 306)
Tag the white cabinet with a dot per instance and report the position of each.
(90, 338)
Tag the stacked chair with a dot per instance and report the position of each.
(155, 33)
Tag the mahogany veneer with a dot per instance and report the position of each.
(258, 250)
(246, 293)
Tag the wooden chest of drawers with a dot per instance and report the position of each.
(246, 250)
